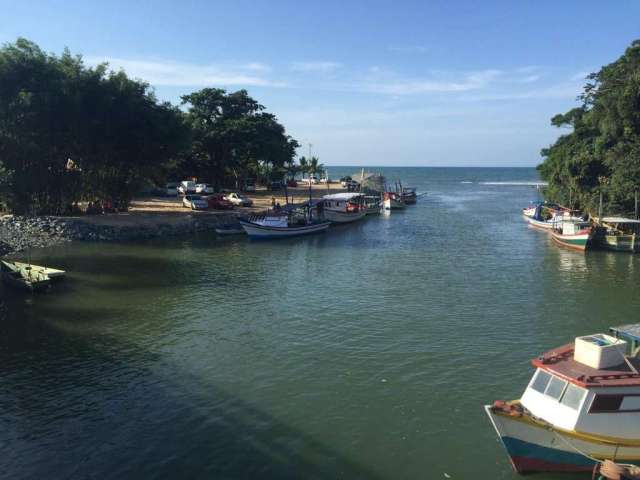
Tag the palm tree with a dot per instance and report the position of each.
(304, 165)
(315, 168)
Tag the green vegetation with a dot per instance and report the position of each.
(602, 152)
(69, 132)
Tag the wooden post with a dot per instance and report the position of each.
(600, 209)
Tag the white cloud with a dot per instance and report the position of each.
(470, 81)
(322, 66)
(170, 73)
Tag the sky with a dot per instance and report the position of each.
(402, 83)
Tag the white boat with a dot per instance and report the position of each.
(344, 207)
(581, 406)
(52, 273)
(290, 221)
(393, 201)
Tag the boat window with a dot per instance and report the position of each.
(573, 396)
(540, 381)
(555, 387)
(630, 402)
(606, 403)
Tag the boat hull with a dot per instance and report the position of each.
(334, 216)
(578, 242)
(259, 231)
(536, 447)
(391, 204)
(619, 243)
(544, 225)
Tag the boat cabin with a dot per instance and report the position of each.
(591, 386)
(570, 227)
(344, 202)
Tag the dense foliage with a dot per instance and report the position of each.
(69, 132)
(601, 154)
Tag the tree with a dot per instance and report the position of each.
(602, 151)
(233, 136)
(54, 108)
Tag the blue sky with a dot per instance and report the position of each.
(365, 82)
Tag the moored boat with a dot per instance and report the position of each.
(572, 234)
(393, 201)
(52, 273)
(28, 280)
(581, 406)
(344, 207)
(290, 221)
(409, 196)
(619, 234)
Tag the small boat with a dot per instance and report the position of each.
(393, 201)
(344, 207)
(581, 406)
(230, 229)
(28, 280)
(52, 273)
(572, 234)
(290, 221)
(547, 216)
(409, 196)
(372, 204)
(618, 233)
(530, 211)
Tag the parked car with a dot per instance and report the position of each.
(171, 189)
(275, 186)
(238, 200)
(249, 186)
(218, 202)
(186, 187)
(204, 188)
(195, 202)
(292, 183)
(345, 180)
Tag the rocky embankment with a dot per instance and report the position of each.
(21, 233)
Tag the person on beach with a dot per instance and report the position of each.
(273, 201)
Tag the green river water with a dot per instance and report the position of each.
(366, 352)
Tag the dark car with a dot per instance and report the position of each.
(218, 202)
(292, 183)
(275, 186)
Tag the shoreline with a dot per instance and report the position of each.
(148, 217)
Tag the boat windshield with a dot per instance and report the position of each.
(557, 389)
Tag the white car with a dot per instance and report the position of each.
(239, 200)
(186, 187)
(195, 202)
(204, 188)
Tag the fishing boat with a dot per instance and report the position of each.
(290, 221)
(344, 207)
(409, 196)
(618, 233)
(581, 406)
(572, 234)
(28, 280)
(530, 211)
(393, 201)
(230, 229)
(52, 273)
(372, 204)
